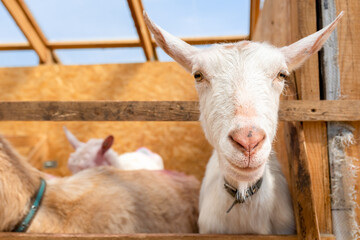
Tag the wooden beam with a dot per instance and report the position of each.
(14, 46)
(302, 195)
(308, 82)
(213, 39)
(127, 43)
(137, 9)
(346, 110)
(95, 44)
(254, 15)
(27, 24)
(42, 236)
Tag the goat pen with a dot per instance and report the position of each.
(155, 92)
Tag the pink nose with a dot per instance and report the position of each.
(248, 139)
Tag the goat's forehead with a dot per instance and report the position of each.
(245, 55)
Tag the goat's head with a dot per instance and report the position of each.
(90, 154)
(239, 86)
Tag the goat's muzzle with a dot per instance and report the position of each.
(248, 139)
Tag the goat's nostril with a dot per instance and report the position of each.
(238, 143)
(247, 140)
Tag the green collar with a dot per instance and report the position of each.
(25, 223)
(236, 194)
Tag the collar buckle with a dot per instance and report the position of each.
(250, 191)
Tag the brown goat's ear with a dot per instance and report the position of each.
(176, 48)
(297, 53)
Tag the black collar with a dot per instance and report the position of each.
(236, 194)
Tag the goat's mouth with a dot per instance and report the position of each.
(244, 169)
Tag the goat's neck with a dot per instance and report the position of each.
(19, 181)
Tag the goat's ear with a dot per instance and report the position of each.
(297, 53)
(71, 138)
(107, 143)
(176, 48)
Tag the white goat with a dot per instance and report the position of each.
(239, 86)
(96, 200)
(98, 152)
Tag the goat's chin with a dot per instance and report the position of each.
(235, 173)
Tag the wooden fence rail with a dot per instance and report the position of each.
(294, 110)
(31, 236)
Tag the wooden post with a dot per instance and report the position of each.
(308, 85)
(254, 15)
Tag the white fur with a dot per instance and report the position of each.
(85, 156)
(240, 90)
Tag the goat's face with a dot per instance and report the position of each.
(239, 87)
(93, 153)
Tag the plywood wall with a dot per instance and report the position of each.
(181, 144)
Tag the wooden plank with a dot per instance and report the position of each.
(137, 9)
(349, 62)
(254, 15)
(162, 110)
(99, 111)
(30, 236)
(303, 198)
(308, 79)
(331, 87)
(28, 26)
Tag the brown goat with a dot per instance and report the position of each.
(97, 200)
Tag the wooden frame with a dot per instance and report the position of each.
(290, 110)
(45, 49)
(13, 236)
(311, 111)
(136, 9)
(27, 24)
(128, 43)
(254, 16)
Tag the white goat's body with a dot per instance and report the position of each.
(239, 87)
(269, 211)
(142, 158)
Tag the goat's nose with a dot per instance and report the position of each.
(248, 139)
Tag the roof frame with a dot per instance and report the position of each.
(27, 24)
(45, 49)
(137, 9)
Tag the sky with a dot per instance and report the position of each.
(67, 20)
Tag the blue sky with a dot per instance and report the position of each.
(64, 20)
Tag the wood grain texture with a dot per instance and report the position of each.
(254, 15)
(296, 110)
(308, 82)
(150, 81)
(349, 62)
(303, 197)
(15, 236)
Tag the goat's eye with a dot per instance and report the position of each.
(283, 75)
(198, 76)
